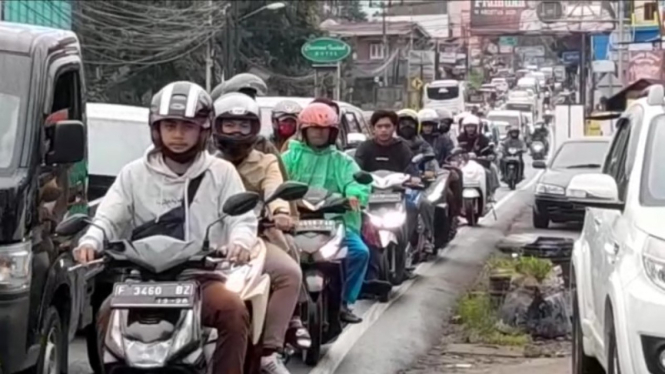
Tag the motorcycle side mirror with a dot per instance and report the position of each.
(423, 158)
(363, 177)
(235, 205)
(238, 204)
(289, 191)
(73, 225)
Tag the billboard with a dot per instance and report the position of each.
(524, 16)
(53, 13)
(645, 65)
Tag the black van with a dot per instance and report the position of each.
(42, 134)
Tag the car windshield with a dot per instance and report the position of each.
(522, 107)
(442, 93)
(512, 120)
(14, 78)
(652, 190)
(568, 156)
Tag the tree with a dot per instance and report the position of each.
(352, 10)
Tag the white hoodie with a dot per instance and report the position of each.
(147, 188)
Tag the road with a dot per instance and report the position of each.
(394, 334)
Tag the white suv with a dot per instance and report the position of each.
(618, 274)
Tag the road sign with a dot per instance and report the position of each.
(325, 50)
(416, 83)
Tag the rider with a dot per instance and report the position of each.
(284, 123)
(513, 140)
(385, 152)
(235, 129)
(541, 134)
(429, 127)
(471, 140)
(150, 194)
(407, 129)
(316, 161)
(445, 123)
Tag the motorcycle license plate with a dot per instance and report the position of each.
(163, 295)
(316, 225)
(378, 198)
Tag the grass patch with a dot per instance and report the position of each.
(480, 321)
(534, 267)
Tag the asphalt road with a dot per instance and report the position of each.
(395, 334)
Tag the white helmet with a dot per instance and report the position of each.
(471, 120)
(428, 115)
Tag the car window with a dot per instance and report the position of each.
(15, 71)
(652, 186)
(354, 126)
(636, 115)
(615, 161)
(568, 156)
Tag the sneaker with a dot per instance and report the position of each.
(273, 365)
(346, 315)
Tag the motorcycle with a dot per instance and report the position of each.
(444, 221)
(387, 214)
(512, 160)
(155, 323)
(538, 150)
(322, 253)
(475, 191)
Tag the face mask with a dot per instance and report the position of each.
(286, 130)
(445, 127)
(407, 131)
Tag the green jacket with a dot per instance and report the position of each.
(330, 169)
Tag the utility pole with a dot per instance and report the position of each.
(210, 66)
(385, 43)
(621, 46)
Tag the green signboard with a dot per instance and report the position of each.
(325, 50)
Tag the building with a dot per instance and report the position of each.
(49, 13)
(372, 60)
(409, 7)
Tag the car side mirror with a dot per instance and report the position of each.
(539, 164)
(595, 191)
(72, 225)
(241, 203)
(289, 191)
(363, 177)
(68, 143)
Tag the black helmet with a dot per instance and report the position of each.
(246, 83)
(185, 101)
(236, 106)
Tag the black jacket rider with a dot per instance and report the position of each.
(396, 157)
(479, 144)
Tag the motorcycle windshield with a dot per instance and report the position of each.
(384, 179)
(160, 253)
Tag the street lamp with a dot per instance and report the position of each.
(271, 6)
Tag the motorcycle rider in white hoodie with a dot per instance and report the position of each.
(151, 193)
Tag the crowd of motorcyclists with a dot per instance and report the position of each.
(207, 147)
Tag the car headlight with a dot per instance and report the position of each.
(15, 267)
(329, 249)
(549, 189)
(653, 258)
(389, 220)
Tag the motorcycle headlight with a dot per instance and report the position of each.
(15, 267)
(389, 220)
(548, 189)
(653, 258)
(329, 249)
(537, 147)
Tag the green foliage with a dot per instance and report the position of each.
(480, 320)
(352, 10)
(534, 267)
(475, 79)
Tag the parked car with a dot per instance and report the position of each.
(618, 263)
(572, 158)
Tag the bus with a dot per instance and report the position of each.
(444, 94)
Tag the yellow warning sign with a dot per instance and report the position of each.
(416, 83)
(593, 128)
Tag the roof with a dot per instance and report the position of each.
(373, 29)
(436, 25)
(21, 38)
(618, 101)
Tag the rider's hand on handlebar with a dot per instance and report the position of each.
(84, 254)
(415, 180)
(354, 203)
(236, 253)
(428, 174)
(283, 221)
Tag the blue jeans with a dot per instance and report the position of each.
(356, 266)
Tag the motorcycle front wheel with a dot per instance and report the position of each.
(312, 355)
(470, 212)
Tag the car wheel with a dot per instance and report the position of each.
(53, 341)
(540, 220)
(582, 364)
(613, 366)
